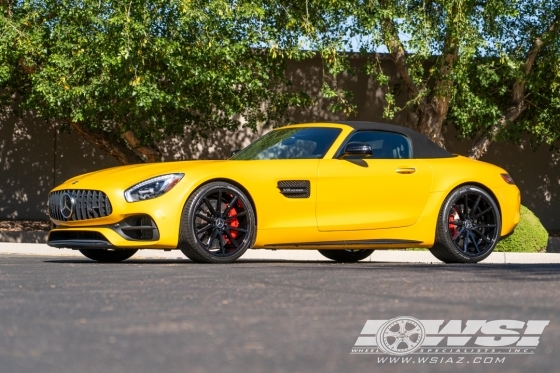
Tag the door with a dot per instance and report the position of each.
(387, 190)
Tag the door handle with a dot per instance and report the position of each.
(408, 170)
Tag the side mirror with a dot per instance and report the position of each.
(357, 149)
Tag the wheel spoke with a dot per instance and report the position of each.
(238, 229)
(219, 203)
(473, 240)
(390, 333)
(230, 206)
(207, 227)
(473, 210)
(458, 234)
(466, 211)
(482, 235)
(396, 343)
(210, 207)
(402, 326)
(408, 342)
(486, 225)
(222, 244)
(203, 217)
(211, 240)
(466, 242)
(458, 223)
(482, 213)
(458, 211)
(416, 330)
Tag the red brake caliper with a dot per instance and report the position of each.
(453, 229)
(234, 223)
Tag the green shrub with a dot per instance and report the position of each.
(529, 236)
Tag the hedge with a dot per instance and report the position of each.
(529, 236)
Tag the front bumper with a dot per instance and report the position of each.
(150, 224)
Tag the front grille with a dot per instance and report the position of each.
(88, 204)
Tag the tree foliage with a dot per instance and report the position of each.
(488, 67)
(124, 74)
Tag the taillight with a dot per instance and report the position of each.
(508, 179)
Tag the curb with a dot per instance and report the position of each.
(379, 256)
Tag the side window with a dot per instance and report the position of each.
(385, 145)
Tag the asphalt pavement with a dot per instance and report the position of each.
(68, 314)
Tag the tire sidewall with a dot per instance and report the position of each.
(195, 251)
(443, 222)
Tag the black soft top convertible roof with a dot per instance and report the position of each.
(422, 146)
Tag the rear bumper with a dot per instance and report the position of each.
(509, 199)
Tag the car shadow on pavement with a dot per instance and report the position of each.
(552, 269)
(188, 261)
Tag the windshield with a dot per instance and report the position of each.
(290, 143)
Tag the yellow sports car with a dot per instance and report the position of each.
(344, 188)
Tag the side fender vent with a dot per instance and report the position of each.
(295, 188)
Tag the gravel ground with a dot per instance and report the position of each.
(24, 225)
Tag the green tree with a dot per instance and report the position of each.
(124, 74)
(514, 85)
(488, 67)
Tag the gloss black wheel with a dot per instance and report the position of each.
(469, 226)
(108, 255)
(217, 225)
(346, 256)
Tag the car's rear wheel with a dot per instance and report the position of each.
(469, 226)
(107, 255)
(217, 224)
(346, 256)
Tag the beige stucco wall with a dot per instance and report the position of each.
(34, 156)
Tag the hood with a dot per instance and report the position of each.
(135, 173)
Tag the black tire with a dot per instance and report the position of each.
(212, 233)
(108, 256)
(346, 256)
(468, 227)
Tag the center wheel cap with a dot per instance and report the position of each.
(220, 223)
(468, 224)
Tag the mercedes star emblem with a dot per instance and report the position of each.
(67, 205)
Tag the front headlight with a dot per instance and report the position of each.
(152, 188)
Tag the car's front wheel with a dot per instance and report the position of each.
(217, 225)
(107, 255)
(468, 227)
(346, 256)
